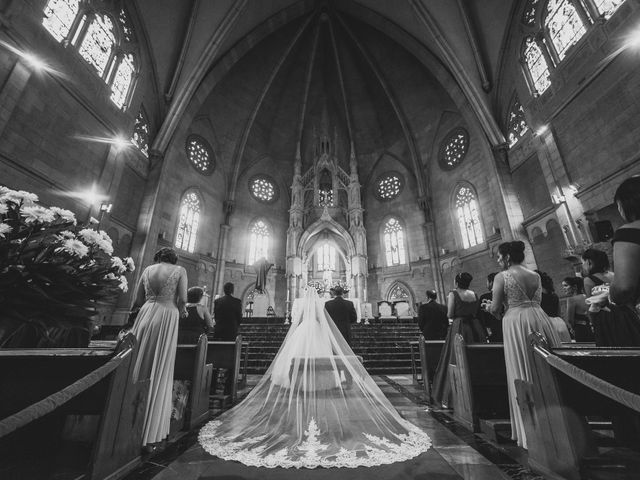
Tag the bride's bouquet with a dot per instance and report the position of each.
(599, 298)
(53, 273)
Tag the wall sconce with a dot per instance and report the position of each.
(558, 199)
(542, 130)
(105, 207)
(444, 251)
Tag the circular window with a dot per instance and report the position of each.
(389, 185)
(199, 154)
(263, 189)
(453, 148)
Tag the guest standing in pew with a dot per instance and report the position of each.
(432, 318)
(462, 305)
(342, 312)
(227, 313)
(162, 292)
(597, 279)
(519, 290)
(198, 319)
(624, 328)
(551, 305)
(493, 325)
(577, 309)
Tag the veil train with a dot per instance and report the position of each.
(316, 406)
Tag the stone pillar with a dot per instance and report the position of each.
(432, 246)
(12, 91)
(222, 247)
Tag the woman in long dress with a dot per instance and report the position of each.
(163, 289)
(462, 306)
(519, 289)
(316, 406)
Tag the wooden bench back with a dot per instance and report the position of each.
(226, 355)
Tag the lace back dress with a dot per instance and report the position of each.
(156, 329)
(316, 406)
(524, 316)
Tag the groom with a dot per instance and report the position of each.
(342, 312)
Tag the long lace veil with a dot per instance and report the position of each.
(316, 406)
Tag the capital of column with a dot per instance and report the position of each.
(227, 208)
(155, 158)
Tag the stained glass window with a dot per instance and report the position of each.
(537, 65)
(98, 42)
(326, 257)
(516, 123)
(262, 189)
(468, 217)
(564, 25)
(607, 7)
(59, 16)
(140, 137)
(529, 13)
(453, 148)
(199, 154)
(389, 186)
(188, 223)
(394, 243)
(398, 292)
(325, 197)
(259, 242)
(122, 80)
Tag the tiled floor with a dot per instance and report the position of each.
(456, 453)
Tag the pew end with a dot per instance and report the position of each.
(227, 355)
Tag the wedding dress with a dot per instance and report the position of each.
(316, 406)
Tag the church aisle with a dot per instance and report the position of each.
(453, 455)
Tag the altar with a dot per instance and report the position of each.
(361, 307)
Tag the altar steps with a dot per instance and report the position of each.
(384, 346)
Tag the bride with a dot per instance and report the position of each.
(316, 406)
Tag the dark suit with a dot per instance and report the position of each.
(433, 321)
(343, 314)
(227, 313)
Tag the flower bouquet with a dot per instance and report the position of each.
(54, 274)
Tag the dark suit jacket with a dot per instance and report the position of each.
(489, 321)
(433, 321)
(343, 314)
(227, 313)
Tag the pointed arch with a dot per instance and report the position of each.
(563, 25)
(536, 66)
(399, 291)
(394, 241)
(188, 221)
(259, 240)
(466, 210)
(516, 122)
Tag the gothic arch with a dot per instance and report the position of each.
(318, 226)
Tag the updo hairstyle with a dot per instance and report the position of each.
(463, 280)
(514, 249)
(575, 282)
(166, 255)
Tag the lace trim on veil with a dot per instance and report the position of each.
(316, 406)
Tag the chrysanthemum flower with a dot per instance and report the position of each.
(73, 247)
(37, 213)
(4, 229)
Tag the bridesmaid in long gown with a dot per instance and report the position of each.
(462, 305)
(163, 289)
(520, 290)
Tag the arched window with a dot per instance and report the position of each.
(529, 13)
(536, 65)
(104, 39)
(326, 256)
(188, 223)
(140, 136)
(59, 16)
(98, 43)
(468, 217)
(516, 123)
(122, 80)
(258, 242)
(564, 25)
(398, 292)
(606, 8)
(394, 243)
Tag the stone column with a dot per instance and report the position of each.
(12, 91)
(222, 247)
(432, 246)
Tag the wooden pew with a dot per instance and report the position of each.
(430, 351)
(191, 365)
(567, 385)
(479, 386)
(71, 410)
(226, 355)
